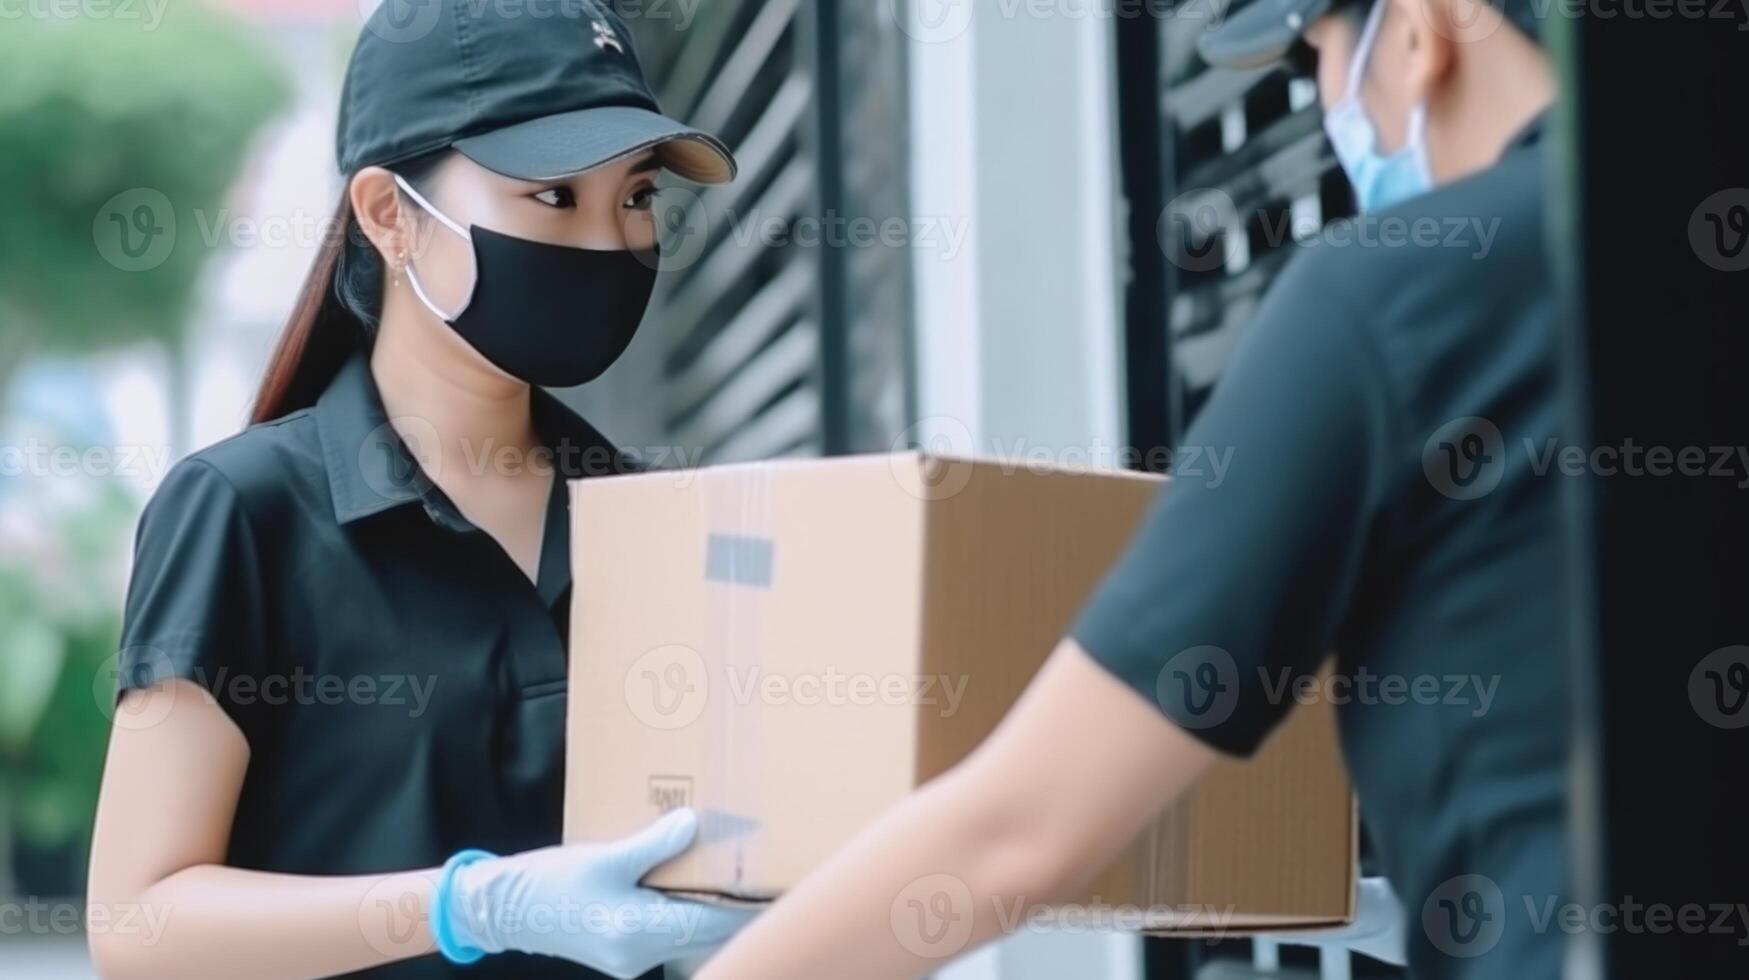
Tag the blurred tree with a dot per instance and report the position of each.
(59, 624)
(116, 135)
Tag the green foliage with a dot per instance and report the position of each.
(59, 625)
(91, 108)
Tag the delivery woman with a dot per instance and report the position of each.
(343, 665)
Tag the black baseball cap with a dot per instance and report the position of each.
(532, 89)
(1266, 31)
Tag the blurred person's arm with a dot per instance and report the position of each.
(1067, 780)
(164, 905)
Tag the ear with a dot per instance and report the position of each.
(381, 214)
(1432, 42)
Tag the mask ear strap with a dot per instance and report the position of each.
(412, 276)
(1362, 50)
(422, 202)
(1417, 125)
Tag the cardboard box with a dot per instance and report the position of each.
(792, 647)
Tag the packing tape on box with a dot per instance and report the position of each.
(739, 567)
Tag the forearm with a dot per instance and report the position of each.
(221, 922)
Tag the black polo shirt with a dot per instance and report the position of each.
(1370, 477)
(400, 681)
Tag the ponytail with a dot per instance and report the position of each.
(337, 309)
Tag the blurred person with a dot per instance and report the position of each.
(1375, 506)
(342, 682)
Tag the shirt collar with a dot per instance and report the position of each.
(371, 468)
(1529, 134)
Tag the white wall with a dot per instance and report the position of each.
(1018, 329)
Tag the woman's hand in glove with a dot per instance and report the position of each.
(581, 902)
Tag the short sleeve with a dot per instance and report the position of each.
(194, 607)
(1246, 564)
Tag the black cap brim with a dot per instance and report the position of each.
(1261, 33)
(562, 145)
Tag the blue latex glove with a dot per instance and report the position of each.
(581, 902)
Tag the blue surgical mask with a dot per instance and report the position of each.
(1380, 180)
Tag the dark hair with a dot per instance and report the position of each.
(337, 309)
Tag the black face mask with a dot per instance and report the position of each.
(547, 314)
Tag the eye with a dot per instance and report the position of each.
(642, 199)
(557, 197)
